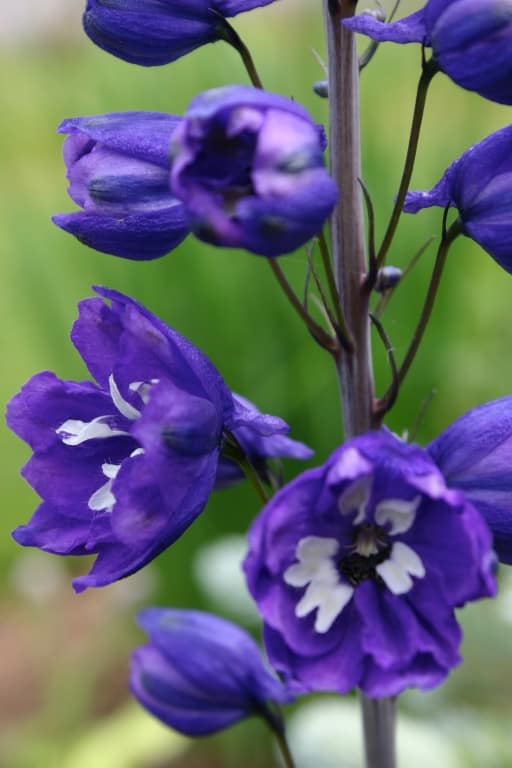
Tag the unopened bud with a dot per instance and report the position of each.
(387, 278)
(321, 88)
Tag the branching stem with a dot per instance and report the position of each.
(382, 406)
(284, 749)
(388, 295)
(343, 331)
(234, 451)
(318, 333)
(435, 280)
(429, 70)
(231, 36)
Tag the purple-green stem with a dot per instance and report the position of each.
(448, 237)
(348, 250)
(284, 749)
(429, 69)
(232, 37)
(234, 451)
(347, 221)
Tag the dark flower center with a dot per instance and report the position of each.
(225, 162)
(371, 548)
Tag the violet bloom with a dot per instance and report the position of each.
(125, 465)
(357, 566)
(258, 446)
(118, 172)
(248, 165)
(200, 673)
(475, 455)
(479, 185)
(471, 41)
(152, 32)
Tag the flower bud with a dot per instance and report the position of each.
(150, 33)
(321, 88)
(387, 277)
(118, 172)
(200, 673)
(471, 41)
(248, 166)
(479, 185)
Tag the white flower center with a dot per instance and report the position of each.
(103, 499)
(331, 577)
(324, 592)
(396, 572)
(123, 406)
(355, 498)
(398, 513)
(75, 432)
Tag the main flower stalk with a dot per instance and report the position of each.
(347, 221)
(355, 371)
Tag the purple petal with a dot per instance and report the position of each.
(411, 29)
(139, 237)
(474, 454)
(471, 43)
(166, 694)
(142, 135)
(338, 671)
(55, 530)
(245, 414)
(45, 402)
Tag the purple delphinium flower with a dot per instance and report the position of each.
(249, 167)
(118, 172)
(200, 673)
(258, 446)
(153, 32)
(471, 41)
(475, 455)
(357, 566)
(479, 185)
(125, 465)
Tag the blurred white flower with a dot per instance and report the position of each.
(37, 20)
(327, 733)
(218, 571)
(36, 577)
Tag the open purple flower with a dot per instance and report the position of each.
(124, 466)
(475, 455)
(479, 185)
(152, 32)
(471, 41)
(118, 170)
(200, 673)
(248, 166)
(357, 566)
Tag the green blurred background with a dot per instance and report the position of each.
(63, 659)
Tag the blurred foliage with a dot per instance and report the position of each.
(227, 303)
